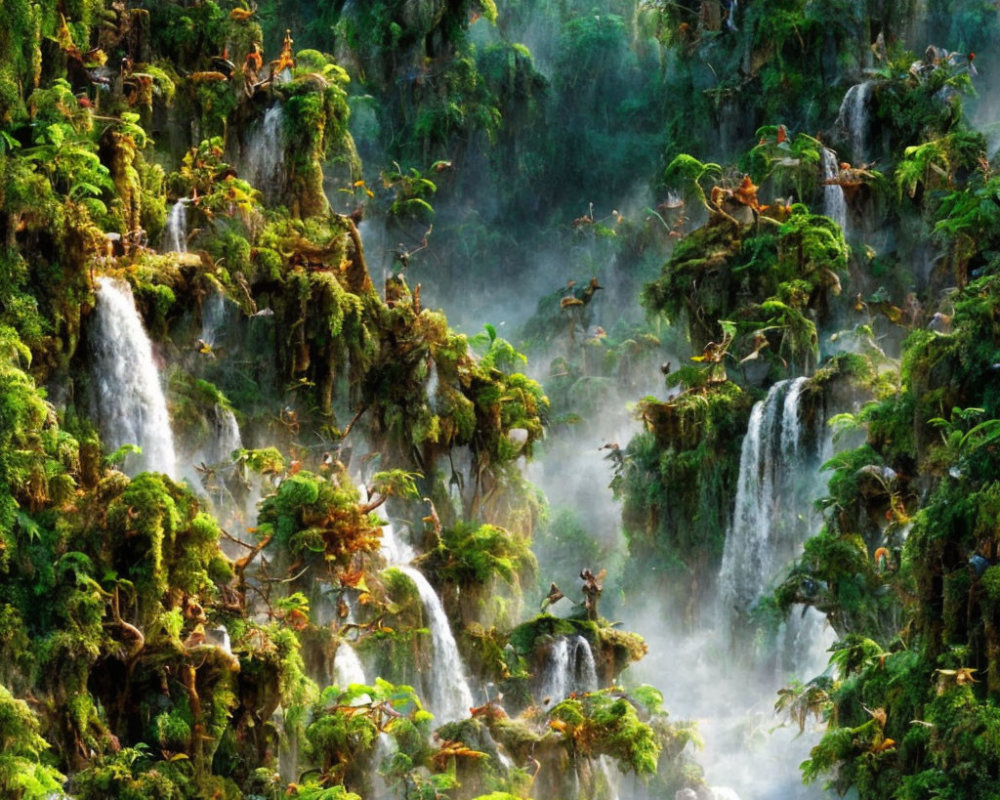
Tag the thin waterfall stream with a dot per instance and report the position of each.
(347, 667)
(834, 203)
(175, 234)
(264, 155)
(570, 668)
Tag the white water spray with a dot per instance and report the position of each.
(226, 436)
(396, 551)
(347, 668)
(131, 407)
(347, 671)
(213, 317)
(746, 747)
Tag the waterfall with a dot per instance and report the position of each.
(853, 119)
(264, 158)
(176, 233)
(130, 404)
(395, 551)
(432, 386)
(226, 436)
(570, 668)
(347, 671)
(347, 667)
(747, 747)
(766, 530)
(213, 317)
(834, 204)
(611, 776)
(450, 696)
(734, 7)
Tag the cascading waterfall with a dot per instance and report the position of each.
(853, 119)
(570, 668)
(449, 695)
(767, 528)
(264, 157)
(834, 204)
(176, 232)
(348, 670)
(130, 404)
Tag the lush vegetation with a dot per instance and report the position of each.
(790, 189)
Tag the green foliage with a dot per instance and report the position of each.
(396, 483)
(524, 636)
(793, 164)
(22, 414)
(924, 106)
(309, 516)
(411, 191)
(204, 176)
(673, 480)
(477, 559)
(23, 776)
(767, 280)
(605, 723)
(690, 173)
(266, 461)
(316, 115)
(313, 791)
(915, 611)
(132, 774)
(346, 725)
(962, 438)
(496, 352)
(111, 584)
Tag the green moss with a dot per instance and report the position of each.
(524, 636)
(605, 724)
